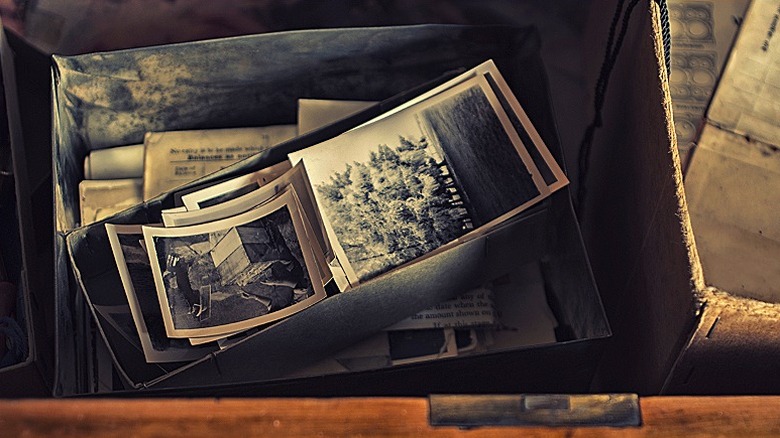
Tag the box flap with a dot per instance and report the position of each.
(634, 217)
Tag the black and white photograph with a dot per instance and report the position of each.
(136, 274)
(233, 188)
(407, 184)
(488, 168)
(296, 178)
(233, 274)
(554, 176)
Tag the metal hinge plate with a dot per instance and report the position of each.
(612, 410)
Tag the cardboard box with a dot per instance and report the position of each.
(673, 333)
(163, 88)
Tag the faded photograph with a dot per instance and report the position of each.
(483, 159)
(401, 187)
(137, 262)
(136, 273)
(401, 203)
(233, 277)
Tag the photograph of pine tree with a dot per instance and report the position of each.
(399, 205)
(403, 186)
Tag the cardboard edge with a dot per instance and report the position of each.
(733, 348)
(37, 369)
(697, 274)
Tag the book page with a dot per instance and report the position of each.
(475, 308)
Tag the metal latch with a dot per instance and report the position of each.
(612, 410)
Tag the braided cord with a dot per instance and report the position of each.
(610, 59)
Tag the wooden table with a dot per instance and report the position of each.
(357, 417)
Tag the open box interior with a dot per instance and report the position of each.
(113, 98)
(672, 333)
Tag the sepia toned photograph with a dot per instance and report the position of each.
(400, 187)
(234, 274)
(136, 274)
(233, 188)
(296, 179)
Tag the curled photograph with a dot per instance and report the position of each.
(420, 177)
(136, 273)
(402, 203)
(236, 273)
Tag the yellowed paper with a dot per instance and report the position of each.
(174, 158)
(733, 192)
(747, 101)
(100, 199)
(702, 34)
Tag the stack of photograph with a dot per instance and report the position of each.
(448, 166)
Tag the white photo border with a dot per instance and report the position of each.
(152, 355)
(287, 200)
(296, 178)
(467, 80)
(260, 178)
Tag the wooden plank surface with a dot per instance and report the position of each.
(356, 417)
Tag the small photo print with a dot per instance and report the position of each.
(399, 204)
(409, 183)
(136, 274)
(233, 188)
(485, 162)
(294, 179)
(234, 274)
